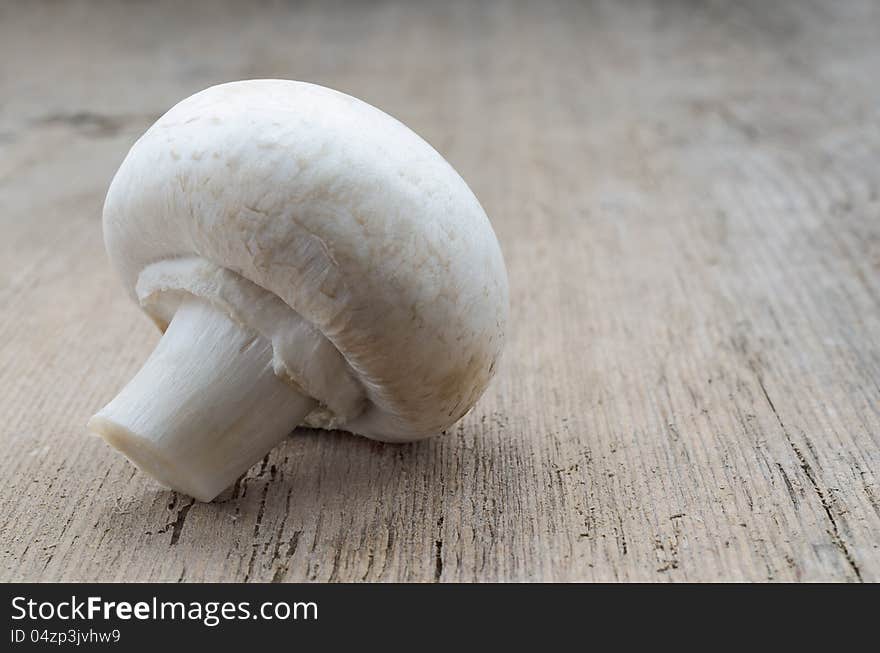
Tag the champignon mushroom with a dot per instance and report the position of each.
(310, 261)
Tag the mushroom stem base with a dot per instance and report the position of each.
(205, 406)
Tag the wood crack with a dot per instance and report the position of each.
(177, 525)
(834, 531)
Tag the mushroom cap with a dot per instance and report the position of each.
(343, 214)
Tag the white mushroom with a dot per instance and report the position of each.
(311, 260)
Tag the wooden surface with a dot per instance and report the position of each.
(687, 197)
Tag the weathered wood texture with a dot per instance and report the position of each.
(687, 198)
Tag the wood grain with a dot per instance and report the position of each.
(687, 197)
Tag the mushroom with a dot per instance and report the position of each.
(311, 261)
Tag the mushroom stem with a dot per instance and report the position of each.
(205, 406)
